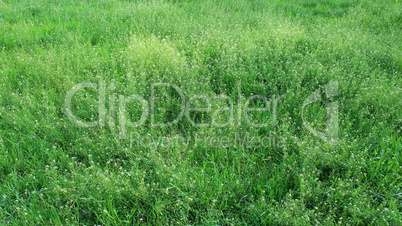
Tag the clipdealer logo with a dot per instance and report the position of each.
(238, 110)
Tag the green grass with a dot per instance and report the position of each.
(55, 172)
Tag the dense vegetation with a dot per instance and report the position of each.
(214, 165)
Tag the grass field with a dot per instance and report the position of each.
(200, 112)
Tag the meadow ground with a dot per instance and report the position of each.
(200, 112)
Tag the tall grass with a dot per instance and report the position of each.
(55, 172)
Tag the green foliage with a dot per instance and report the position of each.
(55, 172)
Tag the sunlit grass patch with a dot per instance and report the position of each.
(153, 59)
